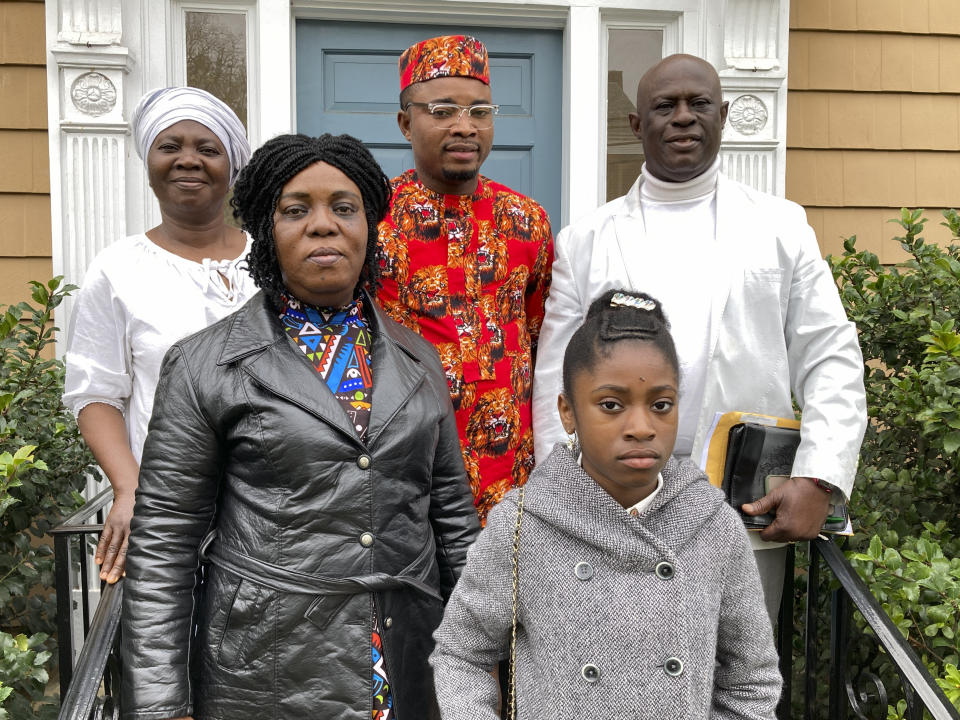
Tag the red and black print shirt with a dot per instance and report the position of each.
(471, 273)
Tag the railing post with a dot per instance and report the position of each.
(785, 635)
(810, 647)
(61, 548)
(840, 617)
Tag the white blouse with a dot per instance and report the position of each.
(137, 299)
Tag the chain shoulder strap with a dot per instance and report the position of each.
(512, 706)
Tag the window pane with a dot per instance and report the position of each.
(217, 57)
(630, 54)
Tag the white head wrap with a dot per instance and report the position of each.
(159, 109)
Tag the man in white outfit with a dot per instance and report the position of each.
(754, 311)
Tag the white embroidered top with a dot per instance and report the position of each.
(137, 299)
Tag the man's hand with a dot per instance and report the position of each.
(801, 508)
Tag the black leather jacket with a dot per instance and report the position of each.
(311, 528)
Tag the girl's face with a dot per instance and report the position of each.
(624, 411)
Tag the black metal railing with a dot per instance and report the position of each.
(848, 684)
(72, 569)
(93, 692)
(834, 687)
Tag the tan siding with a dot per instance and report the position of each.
(873, 116)
(872, 62)
(25, 237)
(24, 90)
(16, 272)
(900, 16)
(873, 121)
(25, 223)
(872, 178)
(22, 35)
(26, 166)
(872, 227)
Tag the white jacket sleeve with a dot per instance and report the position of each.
(564, 313)
(826, 371)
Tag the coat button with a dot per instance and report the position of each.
(388, 622)
(366, 539)
(591, 673)
(363, 462)
(673, 667)
(583, 570)
(665, 570)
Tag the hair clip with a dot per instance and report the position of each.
(623, 300)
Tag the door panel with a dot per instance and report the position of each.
(347, 82)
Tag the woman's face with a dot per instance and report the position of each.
(188, 169)
(624, 411)
(320, 232)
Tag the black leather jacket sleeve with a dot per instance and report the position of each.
(174, 510)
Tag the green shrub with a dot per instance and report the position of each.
(43, 466)
(906, 500)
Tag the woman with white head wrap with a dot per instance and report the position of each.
(147, 291)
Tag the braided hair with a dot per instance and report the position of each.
(257, 191)
(617, 315)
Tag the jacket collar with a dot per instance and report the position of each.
(256, 342)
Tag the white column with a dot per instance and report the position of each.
(582, 171)
(755, 84)
(86, 67)
(275, 58)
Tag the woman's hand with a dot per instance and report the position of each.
(103, 428)
(112, 549)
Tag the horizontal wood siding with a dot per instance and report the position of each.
(873, 116)
(25, 239)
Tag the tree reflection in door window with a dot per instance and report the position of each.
(216, 45)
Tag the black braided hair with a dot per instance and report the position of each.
(257, 190)
(617, 315)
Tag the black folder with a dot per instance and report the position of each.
(758, 457)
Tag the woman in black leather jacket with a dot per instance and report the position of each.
(303, 458)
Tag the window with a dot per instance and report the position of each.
(630, 53)
(216, 56)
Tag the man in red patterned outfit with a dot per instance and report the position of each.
(466, 261)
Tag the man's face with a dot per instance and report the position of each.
(680, 116)
(447, 159)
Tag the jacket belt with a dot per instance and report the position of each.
(287, 580)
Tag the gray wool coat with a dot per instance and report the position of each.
(657, 616)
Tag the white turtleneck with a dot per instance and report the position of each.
(681, 222)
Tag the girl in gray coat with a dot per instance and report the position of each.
(637, 594)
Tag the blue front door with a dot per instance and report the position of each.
(347, 83)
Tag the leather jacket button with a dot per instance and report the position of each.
(665, 570)
(388, 622)
(583, 570)
(673, 667)
(366, 539)
(590, 673)
(363, 462)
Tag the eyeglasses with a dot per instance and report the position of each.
(446, 115)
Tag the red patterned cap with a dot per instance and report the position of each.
(445, 56)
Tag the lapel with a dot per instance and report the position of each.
(731, 226)
(397, 371)
(265, 352)
(630, 231)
